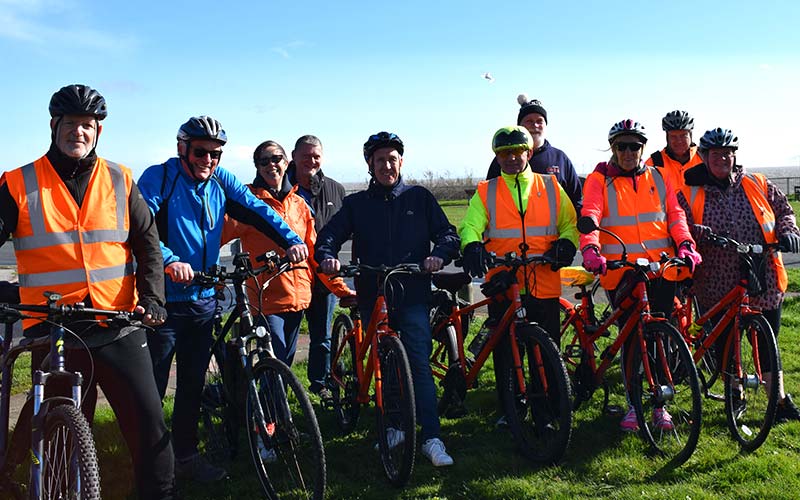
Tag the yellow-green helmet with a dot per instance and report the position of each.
(515, 137)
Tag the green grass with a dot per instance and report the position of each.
(454, 210)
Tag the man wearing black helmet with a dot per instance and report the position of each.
(392, 223)
(190, 195)
(118, 229)
(681, 153)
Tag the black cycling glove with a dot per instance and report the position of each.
(474, 261)
(562, 251)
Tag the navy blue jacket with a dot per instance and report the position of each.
(390, 226)
(550, 160)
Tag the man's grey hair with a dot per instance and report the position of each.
(312, 140)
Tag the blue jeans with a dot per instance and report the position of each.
(284, 329)
(319, 316)
(186, 335)
(415, 333)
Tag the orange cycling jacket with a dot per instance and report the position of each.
(641, 209)
(291, 291)
(672, 169)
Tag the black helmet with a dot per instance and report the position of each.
(677, 120)
(719, 138)
(382, 140)
(77, 99)
(512, 138)
(202, 127)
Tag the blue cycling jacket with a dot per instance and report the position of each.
(189, 215)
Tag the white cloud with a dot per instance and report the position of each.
(40, 22)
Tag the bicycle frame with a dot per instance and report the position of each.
(507, 326)
(639, 308)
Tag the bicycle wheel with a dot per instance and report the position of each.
(750, 402)
(673, 399)
(283, 433)
(540, 418)
(218, 410)
(396, 417)
(345, 403)
(69, 459)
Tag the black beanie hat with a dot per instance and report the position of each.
(529, 106)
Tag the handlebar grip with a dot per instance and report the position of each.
(614, 264)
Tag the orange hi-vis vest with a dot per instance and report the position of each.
(70, 250)
(503, 233)
(755, 188)
(639, 218)
(673, 170)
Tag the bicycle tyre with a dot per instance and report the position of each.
(751, 418)
(218, 409)
(396, 390)
(677, 391)
(68, 442)
(283, 434)
(541, 418)
(344, 399)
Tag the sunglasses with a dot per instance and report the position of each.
(201, 153)
(263, 162)
(628, 146)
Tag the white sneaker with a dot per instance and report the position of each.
(434, 450)
(394, 437)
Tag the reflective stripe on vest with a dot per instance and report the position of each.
(492, 231)
(615, 219)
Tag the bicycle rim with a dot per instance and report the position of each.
(397, 413)
(69, 458)
(749, 403)
(675, 390)
(218, 411)
(345, 404)
(283, 434)
(540, 418)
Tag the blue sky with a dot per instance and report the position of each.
(343, 70)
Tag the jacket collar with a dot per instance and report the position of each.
(700, 176)
(280, 193)
(377, 190)
(317, 180)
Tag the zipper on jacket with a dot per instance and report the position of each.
(203, 212)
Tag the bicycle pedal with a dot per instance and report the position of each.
(573, 351)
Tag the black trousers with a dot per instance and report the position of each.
(124, 371)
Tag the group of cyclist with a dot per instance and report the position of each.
(80, 223)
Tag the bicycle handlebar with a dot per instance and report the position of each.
(742, 248)
(354, 269)
(515, 262)
(10, 313)
(242, 269)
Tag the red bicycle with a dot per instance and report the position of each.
(659, 371)
(749, 353)
(538, 394)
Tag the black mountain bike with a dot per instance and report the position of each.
(258, 391)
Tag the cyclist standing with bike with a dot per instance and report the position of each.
(284, 301)
(720, 197)
(520, 211)
(392, 223)
(634, 202)
(78, 223)
(680, 153)
(189, 196)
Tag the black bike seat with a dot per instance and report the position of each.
(451, 282)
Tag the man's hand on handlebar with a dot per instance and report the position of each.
(180, 272)
(330, 266)
(432, 264)
(297, 253)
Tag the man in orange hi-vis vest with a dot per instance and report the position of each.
(79, 223)
(501, 207)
